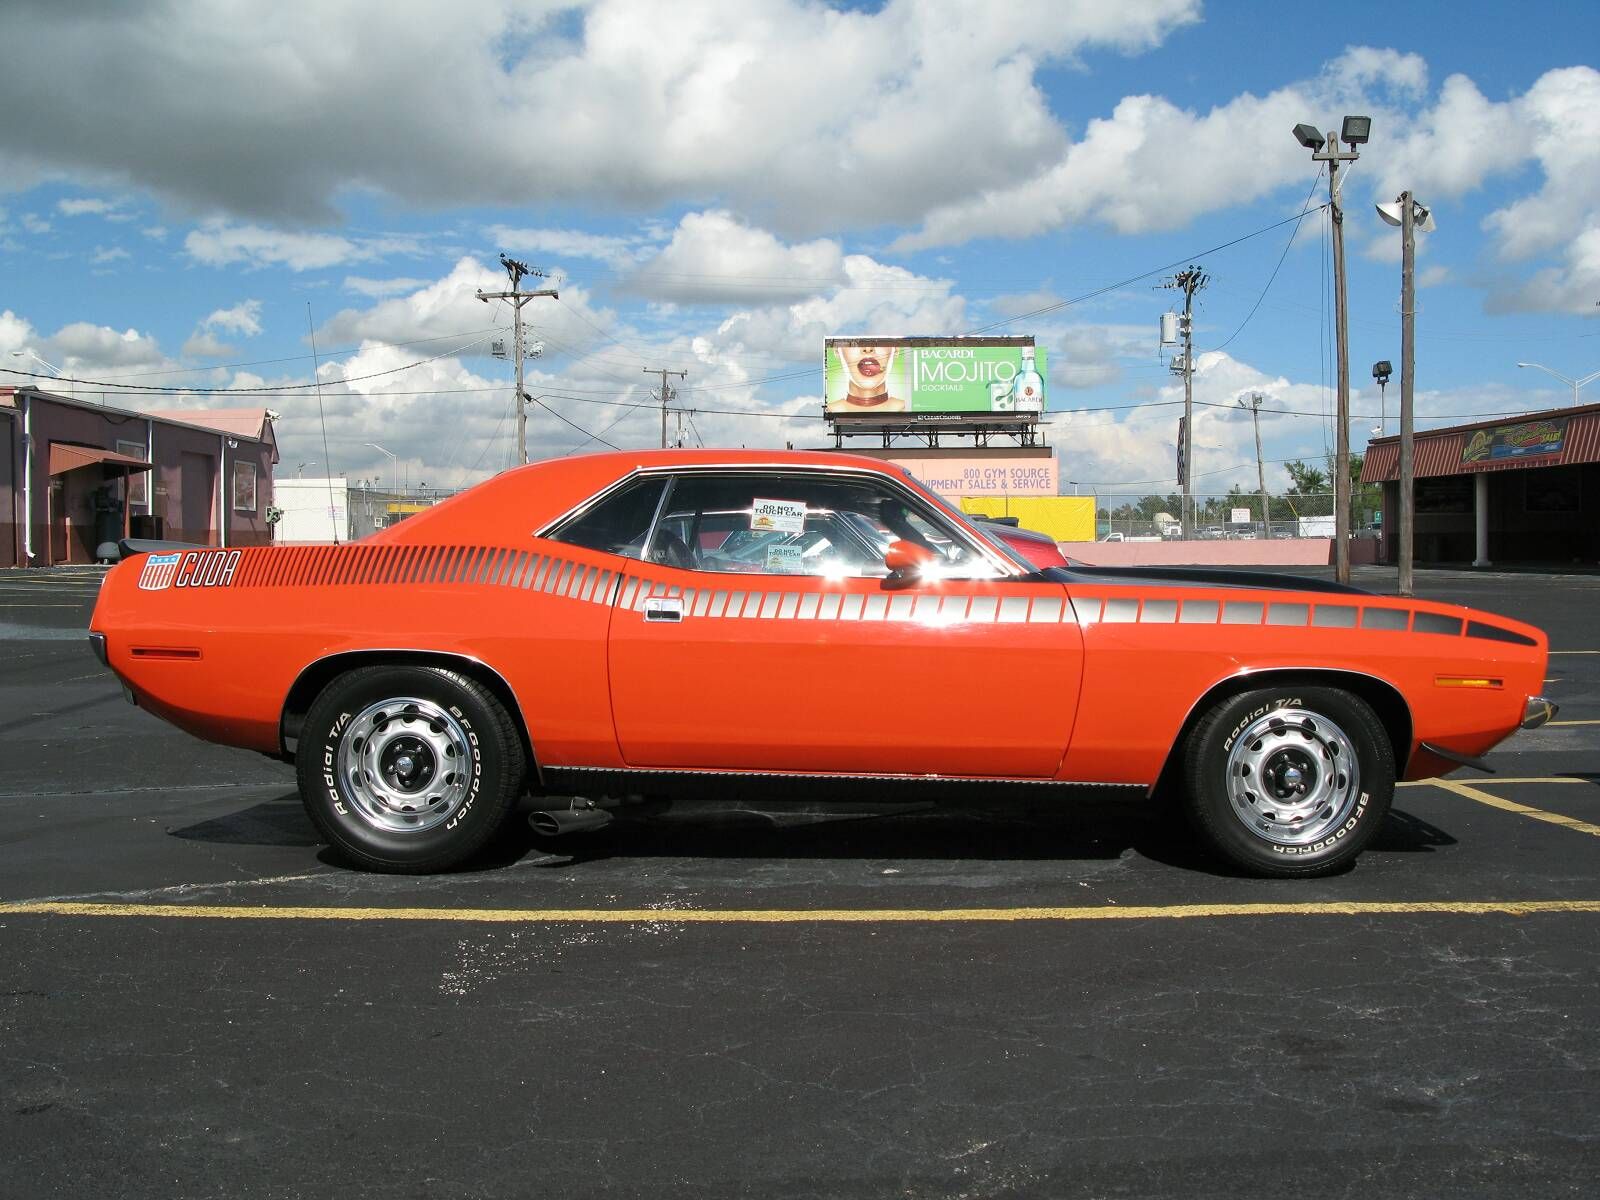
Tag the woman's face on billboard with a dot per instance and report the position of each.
(868, 367)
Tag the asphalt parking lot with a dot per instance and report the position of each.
(781, 1001)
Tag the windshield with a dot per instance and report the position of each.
(955, 514)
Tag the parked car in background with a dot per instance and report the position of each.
(729, 623)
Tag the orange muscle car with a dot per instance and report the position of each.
(644, 623)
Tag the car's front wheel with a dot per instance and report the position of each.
(1289, 781)
(408, 769)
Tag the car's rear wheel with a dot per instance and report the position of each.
(408, 769)
(1289, 781)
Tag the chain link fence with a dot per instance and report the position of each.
(1228, 517)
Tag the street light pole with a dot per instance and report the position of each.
(51, 367)
(1574, 384)
(1355, 131)
(394, 458)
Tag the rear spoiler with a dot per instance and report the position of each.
(132, 546)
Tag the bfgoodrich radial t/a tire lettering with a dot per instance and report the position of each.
(1289, 781)
(408, 769)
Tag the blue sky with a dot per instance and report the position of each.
(718, 186)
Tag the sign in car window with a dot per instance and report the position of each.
(785, 559)
(778, 516)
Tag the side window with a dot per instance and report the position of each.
(619, 523)
(798, 524)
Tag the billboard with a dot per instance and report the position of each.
(867, 375)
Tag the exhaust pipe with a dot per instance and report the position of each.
(555, 822)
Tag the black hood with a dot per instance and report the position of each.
(1205, 576)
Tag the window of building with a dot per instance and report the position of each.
(138, 481)
(244, 487)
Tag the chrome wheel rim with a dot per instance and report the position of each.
(1293, 777)
(405, 765)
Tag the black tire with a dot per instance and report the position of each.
(408, 769)
(1269, 782)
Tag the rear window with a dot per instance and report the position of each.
(619, 523)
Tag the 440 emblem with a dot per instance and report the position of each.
(189, 568)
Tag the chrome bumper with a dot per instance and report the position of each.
(1537, 712)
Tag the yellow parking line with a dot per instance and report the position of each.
(1553, 723)
(1555, 652)
(1538, 814)
(799, 916)
(1523, 779)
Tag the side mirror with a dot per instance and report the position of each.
(905, 558)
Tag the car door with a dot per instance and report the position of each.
(760, 633)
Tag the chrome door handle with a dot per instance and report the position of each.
(663, 608)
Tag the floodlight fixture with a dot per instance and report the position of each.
(1355, 130)
(1421, 215)
(1309, 136)
(1381, 370)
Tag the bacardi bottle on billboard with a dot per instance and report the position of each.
(1028, 388)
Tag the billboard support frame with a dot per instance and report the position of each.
(928, 428)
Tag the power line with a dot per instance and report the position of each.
(134, 389)
(554, 413)
(327, 356)
(1305, 209)
(1101, 291)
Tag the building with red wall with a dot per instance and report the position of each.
(74, 475)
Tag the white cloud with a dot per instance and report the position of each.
(380, 288)
(206, 345)
(156, 233)
(108, 254)
(34, 223)
(90, 206)
(565, 243)
(1088, 356)
(1152, 165)
(83, 345)
(16, 333)
(217, 243)
(876, 298)
(790, 110)
(244, 317)
(714, 258)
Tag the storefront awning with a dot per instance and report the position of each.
(1554, 438)
(65, 458)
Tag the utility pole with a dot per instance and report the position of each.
(1261, 471)
(1408, 378)
(1190, 280)
(1410, 216)
(518, 298)
(1333, 156)
(666, 394)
